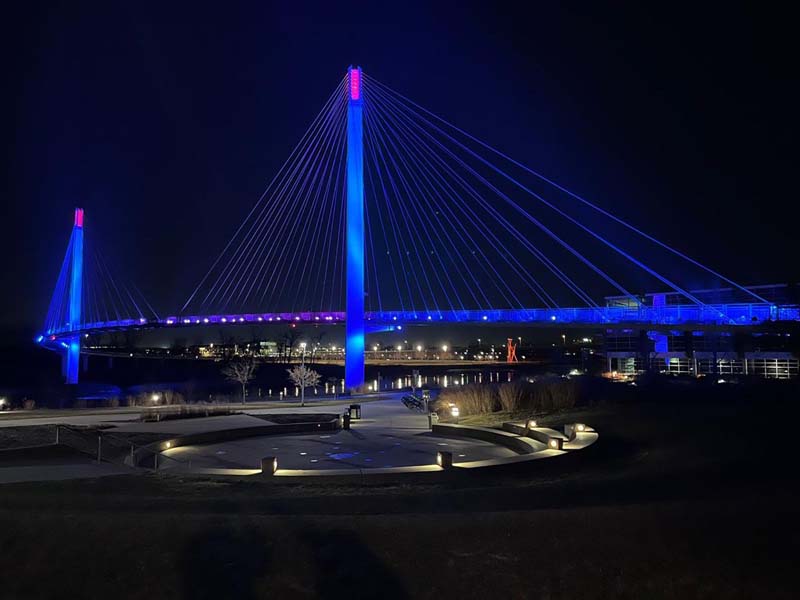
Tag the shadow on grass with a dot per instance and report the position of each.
(345, 565)
(221, 563)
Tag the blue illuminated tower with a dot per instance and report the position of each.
(354, 324)
(73, 351)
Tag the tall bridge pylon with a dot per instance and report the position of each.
(354, 324)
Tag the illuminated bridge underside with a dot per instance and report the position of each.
(726, 315)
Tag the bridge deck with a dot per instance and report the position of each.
(730, 315)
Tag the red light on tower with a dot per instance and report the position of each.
(355, 84)
(78, 217)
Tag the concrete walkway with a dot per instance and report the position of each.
(388, 435)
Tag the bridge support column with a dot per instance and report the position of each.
(354, 323)
(72, 353)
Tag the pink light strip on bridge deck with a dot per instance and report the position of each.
(79, 217)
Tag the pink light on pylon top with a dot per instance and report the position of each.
(78, 217)
(355, 84)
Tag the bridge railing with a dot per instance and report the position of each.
(722, 314)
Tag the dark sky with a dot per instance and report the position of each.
(165, 121)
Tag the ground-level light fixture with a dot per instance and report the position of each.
(580, 427)
(555, 443)
(444, 459)
(155, 397)
(269, 465)
(454, 411)
(532, 424)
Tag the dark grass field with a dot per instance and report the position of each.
(692, 499)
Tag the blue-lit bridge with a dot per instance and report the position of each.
(389, 212)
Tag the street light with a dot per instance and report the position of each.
(444, 348)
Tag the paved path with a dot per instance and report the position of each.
(388, 435)
(131, 415)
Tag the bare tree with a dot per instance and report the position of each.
(316, 341)
(303, 377)
(290, 339)
(241, 371)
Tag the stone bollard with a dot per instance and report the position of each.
(269, 465)
(444, 459)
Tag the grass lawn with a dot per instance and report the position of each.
(687, 500)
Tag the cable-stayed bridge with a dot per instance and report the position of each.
(383, 215)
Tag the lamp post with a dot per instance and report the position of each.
(303, 366)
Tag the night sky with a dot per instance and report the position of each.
(165, 121)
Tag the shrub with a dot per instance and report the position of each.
(471, 399)
(511, 396)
